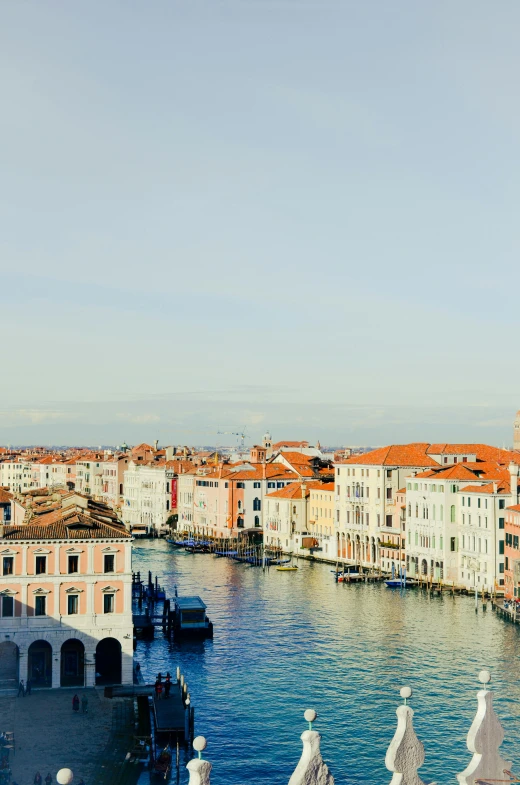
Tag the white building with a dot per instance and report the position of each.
(147, 497)
(455, 523)
(366, 495)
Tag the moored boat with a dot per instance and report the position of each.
(190, 620)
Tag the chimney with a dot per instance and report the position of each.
(495, 487)
(156, 444)
(513, 471)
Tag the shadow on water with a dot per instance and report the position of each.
(285, 642)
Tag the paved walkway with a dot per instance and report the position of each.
(50, 736)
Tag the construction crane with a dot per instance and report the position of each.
(240, 434)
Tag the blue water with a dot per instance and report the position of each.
(285, 642)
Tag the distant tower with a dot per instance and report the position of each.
(516, 432)
(268, 444)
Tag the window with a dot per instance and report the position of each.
(501, 504)
(453, 544)
(72, 604)
(109, 562)
(501, 569)
(7, 605)
(8, 565)
(452, 513)
(515, 541)
(337, 490)
(108, 603)
(256, 504)
(501, 547)
(73, 564)
(500, 523)
(388, 520)
(40, 605)
(41, 568)
(388, 493)
(256, 485)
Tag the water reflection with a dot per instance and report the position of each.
(285, 642)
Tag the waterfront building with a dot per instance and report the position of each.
(512, 552)
(367, 486)
(286, 518)
(146, 497)
(186, 485)
(321, 517)
(366, 495)
(393, 537)
(455, 522)
(229, 499)
(65, 594)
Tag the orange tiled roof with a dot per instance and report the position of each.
(76, 526)
(395, 455)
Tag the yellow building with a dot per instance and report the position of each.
(321, 510)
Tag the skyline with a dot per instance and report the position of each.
(294, 216)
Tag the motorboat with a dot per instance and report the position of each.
(190, 620)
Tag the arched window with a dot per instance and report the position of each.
(416, 510)
(452, 513)
(409, 510)
(257, 522)
(239, 504)
(442, 512)
(257, 504)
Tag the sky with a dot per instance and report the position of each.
(289, 215)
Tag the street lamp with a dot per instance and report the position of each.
(64, 777)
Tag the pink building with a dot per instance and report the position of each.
(65, 596)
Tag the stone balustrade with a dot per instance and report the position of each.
(405, 754)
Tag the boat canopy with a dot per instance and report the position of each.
(190, 604)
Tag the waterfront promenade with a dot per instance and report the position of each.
(50, 736)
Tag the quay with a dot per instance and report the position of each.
(508, 611)
(49, 736)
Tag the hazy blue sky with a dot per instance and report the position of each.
(297, 215)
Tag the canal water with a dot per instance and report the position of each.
(285, 642)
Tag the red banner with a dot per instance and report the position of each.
(174, 494)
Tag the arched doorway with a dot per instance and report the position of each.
(424, 567)
(72, 664)
(9, 664)
(108, 661)
(39, 669)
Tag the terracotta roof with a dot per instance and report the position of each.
(395, 455)
(502, 486)
(514, 507)
(5, 496)
(456, 471)
(294, 490)
(74, 527)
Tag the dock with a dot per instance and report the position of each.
(170, 713)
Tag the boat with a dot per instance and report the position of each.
(190, 620)
(345, 577)
(287, 568)
(401, 583)
(162, 765)
(280, 561)
(226, 553)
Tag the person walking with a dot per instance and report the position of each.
(75, 703)
(84, 703)
(28, 687)
(48, 779)
(37, 779)
(21, 689)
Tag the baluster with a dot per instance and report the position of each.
(406, 753)
(311, 769)
(199, 769)
(484, 738)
